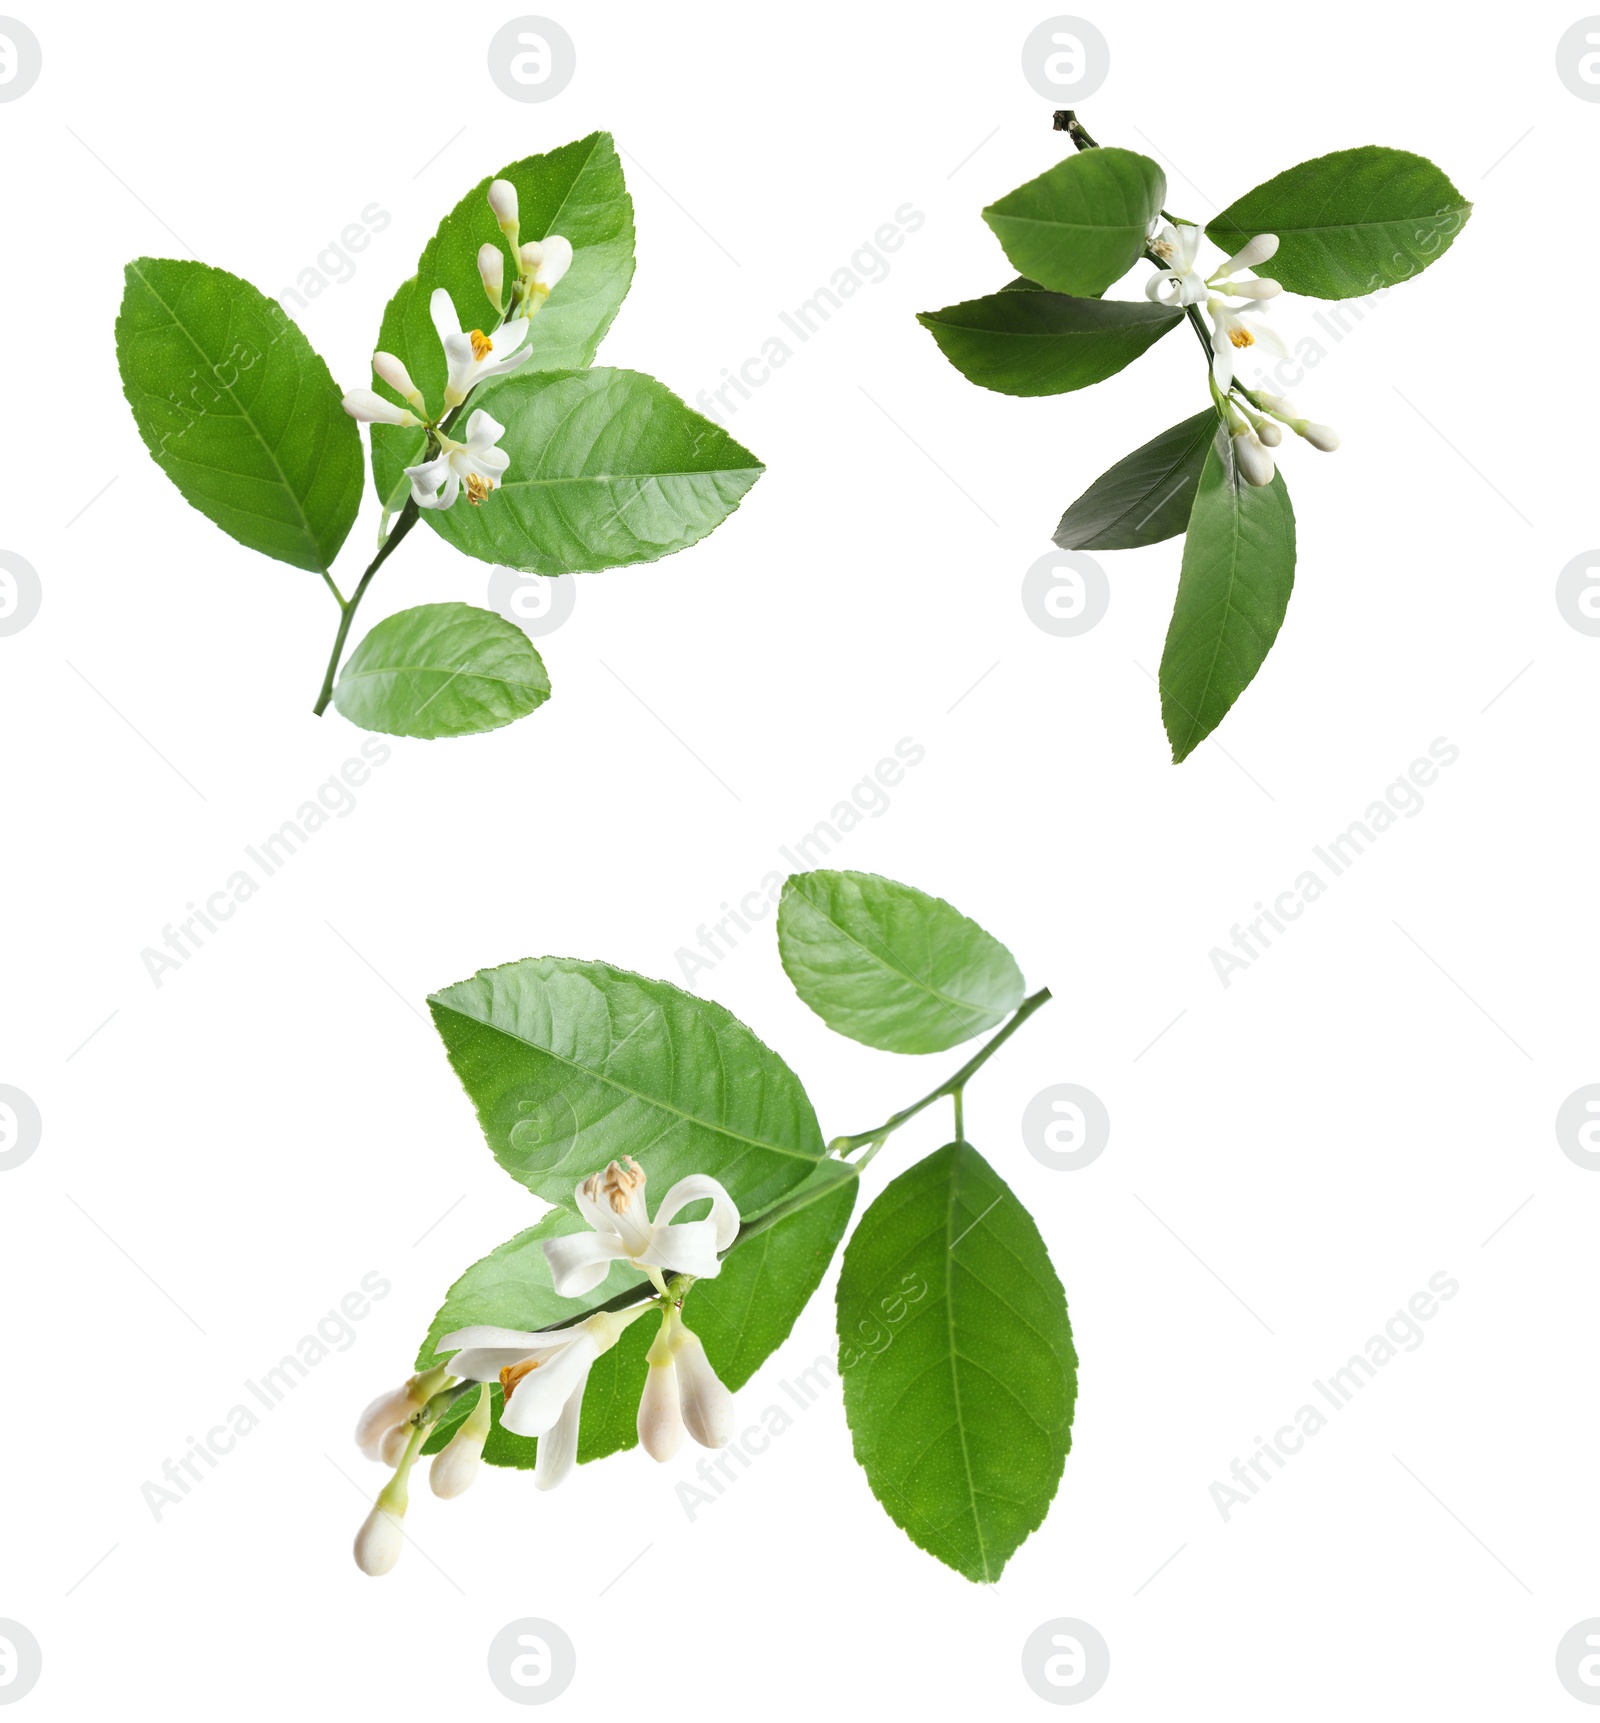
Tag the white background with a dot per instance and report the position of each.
(1290, 1161)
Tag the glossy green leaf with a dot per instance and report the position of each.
(1350, 222)
(742, 1316)
(1147, 496)
(1023, 343)
(576, 191)
(1238, 572)
(890, 966)
(238, 410)
(571, 1064)
(1082, 224)
(441, 670)
(607, 467)
(962, 1416)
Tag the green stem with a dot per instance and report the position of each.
(961, 1131)
(347, 607)
(950, 1086)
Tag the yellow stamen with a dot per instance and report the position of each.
(616, 1184)
(513, 1374)
(477, 488)
(481, 344)
(1241, 337)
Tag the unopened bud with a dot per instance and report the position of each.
(707, 1405)
(456, 1465)
(503, 201)
(555, 260)
(1322, 437)
(1255, 464)
(492, 271)
(380, 1540)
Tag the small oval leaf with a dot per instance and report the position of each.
(890, 966)
(441, 670)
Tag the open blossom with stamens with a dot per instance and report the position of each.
(613, 1203)
(477, 463)
(1232, 331)
(543, 1377)
(1180, 283)
(471, 356)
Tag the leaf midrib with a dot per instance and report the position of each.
(625, 1089)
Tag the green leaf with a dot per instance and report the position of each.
(1350, 222)
(441, 670)
(1082, 224)
(962, 1419)
(1023, 343)
(742, 1316)
(570, 1064)
(576, 191)
(890, 966)
(238, 410)
(1147, 496)
(1238, 572)
(607, 467)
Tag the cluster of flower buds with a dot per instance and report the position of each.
(542, 1375)
(471, 357)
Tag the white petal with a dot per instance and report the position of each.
(707, 1405)
(1270, 339)
(579, 1262)
(503, 200)
(486, 1335)
(442, 310)
(394, 373)
(462, 365)
(558, 1446)
(1254, 462)
(1188, 243)
(426, 480)
(696, 1187)
(483, 432)
(1157, 287)
(688, 1248)
(457, 1464)
(555, 261)
(381, 1417)
(1322, 437)
(491, 461)
(597, 1214)
(535, 1403)
(505, 341)
(1252, 252)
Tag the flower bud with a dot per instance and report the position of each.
(1252, 252)
(456, 1465)
(1255, 464)
(492, 272)
(1279, 404)
(380, 1540)
(384, 1414)
(555, 260)
(393, 1445)
(1322, 437)
(393, 372)
(1262, 288)
(503, 201)
(660, 1415)
(371, 409)
(707, 1405)
(1267, 431)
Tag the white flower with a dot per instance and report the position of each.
(471, 356)
(503, 201)
(477, 463)
(546, 261)
(456, 1464)
(543, 1377)
(370, 408)
(1255, 464)
(613, 1203)
(682, 1391)
(1180, 283)
(394, 373)
(1231, 330)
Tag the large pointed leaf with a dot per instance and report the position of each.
(742, 1316)
(962, 1419)
(1147, 496)
(1082, 224)
(238, 410)
(576, 191)
(441, 670)
(1238, 572)
(607, 467)
(1026, 343)
(571, 1064)
(890, 966)
(1350, 222)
